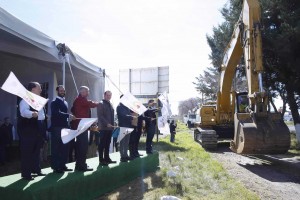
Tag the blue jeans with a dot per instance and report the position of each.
(124, 143)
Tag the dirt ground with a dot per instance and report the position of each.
(269, 176)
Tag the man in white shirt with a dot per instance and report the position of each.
(32, 130)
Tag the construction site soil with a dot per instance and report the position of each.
(269, 176)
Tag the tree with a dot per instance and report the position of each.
(207, 84)
(187, 105)
(281, 47)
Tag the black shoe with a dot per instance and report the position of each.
(149, 152)
(58, 171)
(110, 161)
(83, 169)
(123, 160)
(137, 155)
(103, 163)
(67, 169)
(40, 174)
(28, 178)
(129, 158)
(88, 169)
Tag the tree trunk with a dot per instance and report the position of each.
(273, 105)
(292, 103)
(294, 109)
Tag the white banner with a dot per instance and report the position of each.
(132, 103)
(68, 134)
(166, 108)
(163, 125)
(124, 131)
(162, 121)
(12, 85)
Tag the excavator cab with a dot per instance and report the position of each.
(242, 102)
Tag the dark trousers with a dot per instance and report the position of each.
(172, 138)
(149, 138)
(30, 145)
(2, 153)
(81, 148)
(137, 140)
(59, 150)
(103, 148)
(135, 136)
(72, 151)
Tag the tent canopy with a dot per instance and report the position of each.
(34, 56)
(21, 39)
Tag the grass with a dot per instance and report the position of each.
(198, 176)
(289, 123)
(295, 145)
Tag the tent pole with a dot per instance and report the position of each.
(64, 71)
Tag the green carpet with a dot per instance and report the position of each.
(78, 185)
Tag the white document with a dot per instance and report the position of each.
(132, 103)
(124, 131)
(163, 125)
(68, 134)
(166, 108)
(12, 85)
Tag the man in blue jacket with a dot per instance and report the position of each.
(124, 118)
(59, 120)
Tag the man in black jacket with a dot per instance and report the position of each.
(135, 136)
(105, 113)
(59, 120)
(150, 119)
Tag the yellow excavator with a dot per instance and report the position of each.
(244, 117)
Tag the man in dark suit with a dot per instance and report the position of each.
(82, 109)
(125, 118)
(59, 120)
(7, 130)
(150, 119)
(106, 121)
(32, 131)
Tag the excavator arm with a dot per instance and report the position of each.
(256, 131)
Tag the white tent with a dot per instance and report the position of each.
(34, 56)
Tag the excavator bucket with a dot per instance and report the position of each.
(256, 134)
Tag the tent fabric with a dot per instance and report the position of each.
(21, 39)
(34, 56)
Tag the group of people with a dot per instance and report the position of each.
(32, 131)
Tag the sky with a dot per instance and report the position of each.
(122, 34)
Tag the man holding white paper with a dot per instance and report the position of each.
(105, 113)
(82, 109)
(124, 118)
(59, 120)
(32, 131)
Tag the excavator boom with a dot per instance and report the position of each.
(256, 130)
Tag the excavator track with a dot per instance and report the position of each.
(256, 134)
(207, 138)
